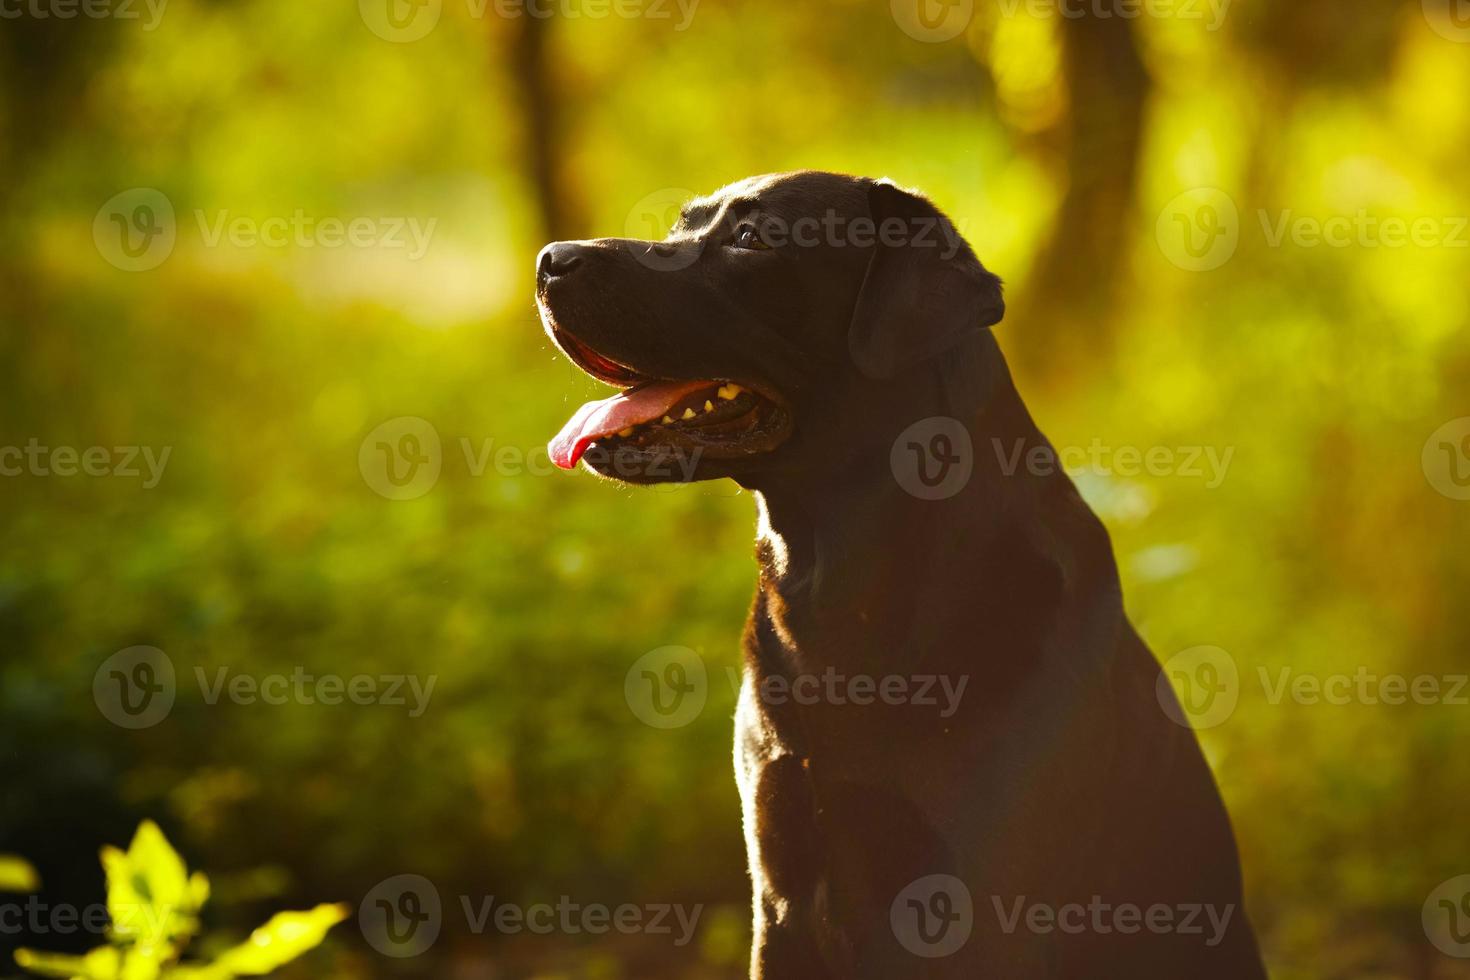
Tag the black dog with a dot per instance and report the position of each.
(952, 748)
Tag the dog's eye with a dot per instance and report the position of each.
(747, 236)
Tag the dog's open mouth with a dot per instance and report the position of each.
(658, 417)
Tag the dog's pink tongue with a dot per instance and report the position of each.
(595, 420)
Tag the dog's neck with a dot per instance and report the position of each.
(834, 535)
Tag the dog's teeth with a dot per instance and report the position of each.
(625, 433)
(730, 391)
(688, 414)
(667, 420)
(709, 406)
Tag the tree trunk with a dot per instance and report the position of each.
(1071, 298)
(542, 125)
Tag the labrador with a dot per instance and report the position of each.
(955, 755)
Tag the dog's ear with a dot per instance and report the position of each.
(924, 289)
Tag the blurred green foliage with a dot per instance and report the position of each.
(153, 905)
(1056, 143)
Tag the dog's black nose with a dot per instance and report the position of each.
(557, 259)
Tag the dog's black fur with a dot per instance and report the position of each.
(1060, 779)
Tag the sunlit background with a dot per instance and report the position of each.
(263, 237)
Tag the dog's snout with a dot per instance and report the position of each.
(557, 259)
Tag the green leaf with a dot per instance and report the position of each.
(150, 895)
(103, 963)
(286, 936)
(193, 971)
(17, 875)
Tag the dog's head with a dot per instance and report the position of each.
(755, 327)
